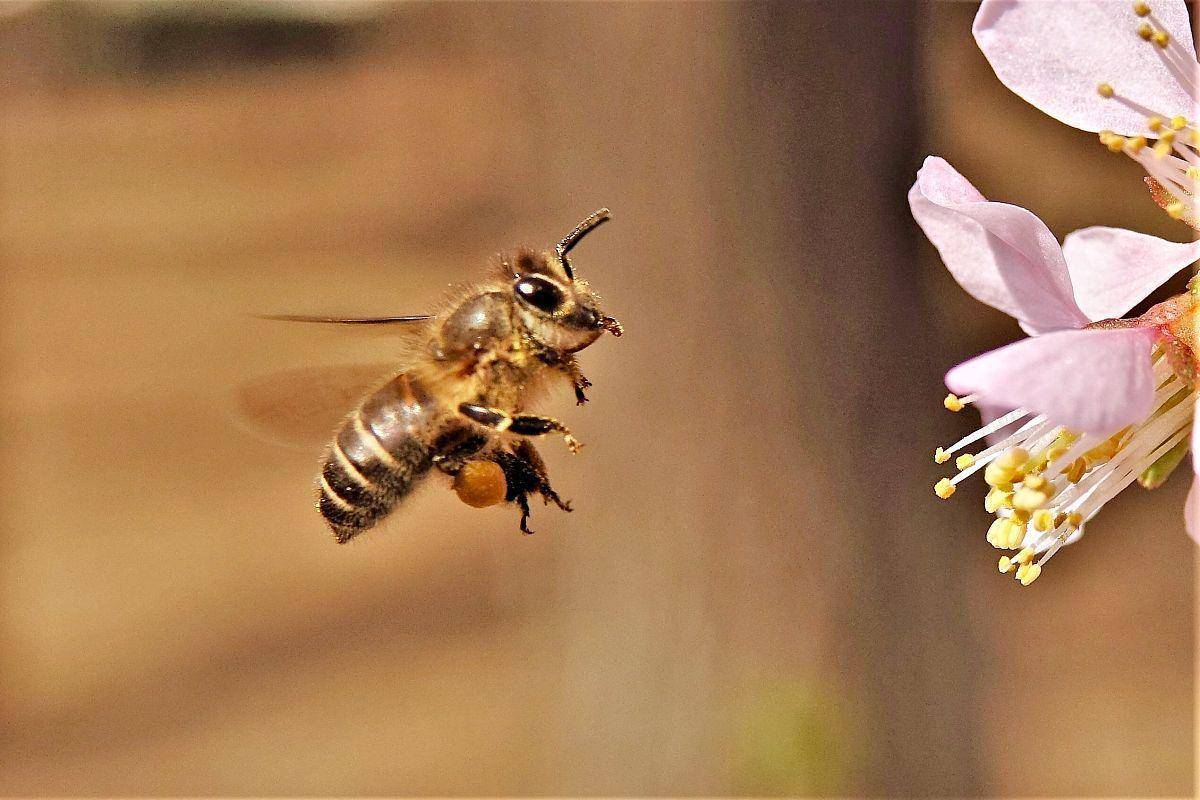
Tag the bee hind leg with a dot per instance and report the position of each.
(525, 473)
(529, 454)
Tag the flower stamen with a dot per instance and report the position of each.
(1046, 481)
(1170, 160)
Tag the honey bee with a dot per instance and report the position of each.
(457, 403)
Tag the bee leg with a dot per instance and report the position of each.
(580, 383)
(528, 453)
(525, 473)
(455, 448)
(520, 424)
(568, 366)
(523, 502)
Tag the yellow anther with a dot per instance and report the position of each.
(941, 456)
(1016, 535)
(1036, 482)
(1025, 556)
(1022, 570)
(1154, 123)
(1076, 469)
(1013, 458)
(1074, 520)
(1029, 499)
(1116, 143)
(944, 488)
(952, 403)
(997, 533)
(1007, 468)
(1162, 149)
(1193, 173)
(1043, 520)
(964, 461)
(1145, 31)
(1141, 8)
(995, 499)
(1020, 517)
(1136, 143)
(1006, 564)
(1162, 39)
(1105, 90)
(1167, 136)
(1031, 574)
(1178, 122)
(1175, 210)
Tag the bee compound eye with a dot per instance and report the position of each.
(480, 484)
(539, 293)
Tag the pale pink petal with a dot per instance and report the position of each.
(1092, 381)
(1192, 511)
(1196, 439)
(1113, 269)
(1001, 254)
(1055, 53)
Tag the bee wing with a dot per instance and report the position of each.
(400, 320)
(302, 407)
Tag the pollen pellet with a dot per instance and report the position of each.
(481, 484)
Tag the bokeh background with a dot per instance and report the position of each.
(758, 592)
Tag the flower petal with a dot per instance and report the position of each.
(1113, 269)
(1056, 54)
(1002, 255)
(1093, 381)
(1192, 511)
(1196, 439)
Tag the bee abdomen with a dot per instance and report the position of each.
(377, 457)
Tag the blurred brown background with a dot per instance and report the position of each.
(758, 592)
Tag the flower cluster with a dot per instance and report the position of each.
(1092, 402)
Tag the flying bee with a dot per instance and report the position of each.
(459, 404)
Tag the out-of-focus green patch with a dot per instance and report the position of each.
(1157, 473)
(793, 738)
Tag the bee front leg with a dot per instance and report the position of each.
(566, 364)
(520, 424)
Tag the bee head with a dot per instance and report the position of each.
(558, 309)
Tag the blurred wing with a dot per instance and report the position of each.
(347, 320)
(302, 408)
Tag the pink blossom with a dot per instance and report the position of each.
(1091, 402)
(1125, 70)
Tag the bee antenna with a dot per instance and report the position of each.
(594, 220)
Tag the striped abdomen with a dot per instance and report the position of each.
(378, 455)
